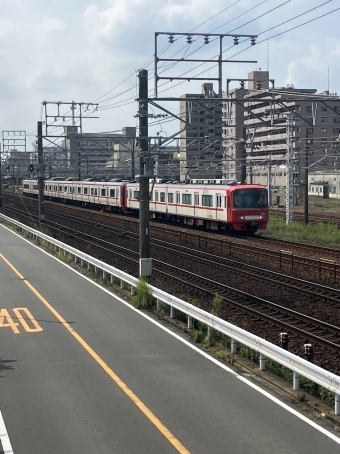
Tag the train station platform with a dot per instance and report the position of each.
(82, 371)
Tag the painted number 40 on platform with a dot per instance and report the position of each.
(24, 316)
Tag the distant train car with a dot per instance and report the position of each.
(213, 206)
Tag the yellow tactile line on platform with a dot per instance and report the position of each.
(148, 413)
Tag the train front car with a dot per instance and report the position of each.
(247, 208)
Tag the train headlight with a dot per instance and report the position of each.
(240, 218)
(262, 216)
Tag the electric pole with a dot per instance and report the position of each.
(289, 170)
(41, 177)
(306, 178)
(145, 261)
(133, 160)
(269, 180)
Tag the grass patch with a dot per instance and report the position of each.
(143, 296)
(320, 233)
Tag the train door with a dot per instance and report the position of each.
(196, 202)
(178, 201)
(218, 205)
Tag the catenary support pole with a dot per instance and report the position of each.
(133, 160)
(306, 178)
(41, 177)
(145, 262)
(0, 178)
(289, 169)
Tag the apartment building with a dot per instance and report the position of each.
(262, 126)
(201, 140)
(234, 130)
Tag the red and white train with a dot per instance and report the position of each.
(234, 207)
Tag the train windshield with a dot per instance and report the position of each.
(250, 198)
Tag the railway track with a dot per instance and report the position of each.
(240, 303)
(309, 262)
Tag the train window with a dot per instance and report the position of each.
(186, 199)
(79, 189)
(103, 192)
(162, 195)
(26, 186)
(136, 195)
(95, 191)
(250, 198)
(171, 197)
(65, 188)
(196, 198)
(156, 196)
(92, 191)
(85, 190)
(112, 192)
(207, 201)
(50, 187)
(178, 197)
(60, 188)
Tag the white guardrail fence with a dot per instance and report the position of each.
(299, 366)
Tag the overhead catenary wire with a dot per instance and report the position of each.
(265, 31)
(117, 104)
(207, 33)
(166, 48)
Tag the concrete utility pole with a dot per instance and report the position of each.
(289, 170)
(41, 177)
(145, 261)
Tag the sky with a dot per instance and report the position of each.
(90, 51)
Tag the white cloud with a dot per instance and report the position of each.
(50, 25)
(65, 50)
(112, 20)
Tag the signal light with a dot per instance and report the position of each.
(8, 168)
(31, 167)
